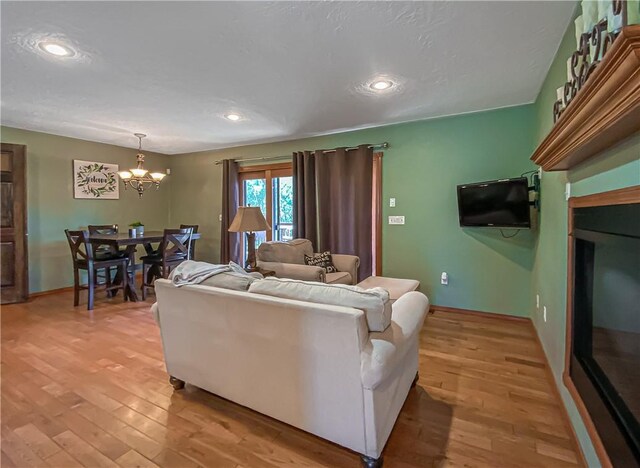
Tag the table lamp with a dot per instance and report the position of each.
(249, 219)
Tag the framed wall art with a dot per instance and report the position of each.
(95, 180)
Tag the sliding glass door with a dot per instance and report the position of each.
(282, 226)
(271, 188)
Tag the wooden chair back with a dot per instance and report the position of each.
(103, 229)
(175, 245)
(80, 246)
(192, 247)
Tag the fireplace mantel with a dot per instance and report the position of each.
(604, 112)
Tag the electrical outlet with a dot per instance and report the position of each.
(220, 217)
(444, 278)
(168, 172)
(544, 313)
(537, 301)
(392, 202)
(396, 219)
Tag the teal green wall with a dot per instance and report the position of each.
(425, 162)
(618, 167)
(51, 207)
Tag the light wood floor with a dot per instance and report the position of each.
(82, 389)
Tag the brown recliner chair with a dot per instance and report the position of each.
(287, 260)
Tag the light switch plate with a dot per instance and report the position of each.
(396, 219)
(392, 202)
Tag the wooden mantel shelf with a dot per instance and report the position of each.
(604, 112)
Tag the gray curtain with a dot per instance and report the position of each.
(332, 193)
(229, 241)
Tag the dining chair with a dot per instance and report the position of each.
(83, 257)
(103, 248)
(103, 229)
(192, 247)
(173, 250)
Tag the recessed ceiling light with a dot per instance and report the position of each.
(56, 49)
(233, 117)
(381, 85)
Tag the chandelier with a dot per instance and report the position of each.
(139, 178)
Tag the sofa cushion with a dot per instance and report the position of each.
(339, 277)
(373, 302)
(232, 280)
(292, 251)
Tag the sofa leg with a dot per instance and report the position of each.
(369, 462)
(415, 381)
(177, 383)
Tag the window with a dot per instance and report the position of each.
(271, 188)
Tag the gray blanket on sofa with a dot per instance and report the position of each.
(192, 272)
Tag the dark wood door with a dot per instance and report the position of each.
(13, 224)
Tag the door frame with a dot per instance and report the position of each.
(376, 214)
(267, 172)
(21, 258)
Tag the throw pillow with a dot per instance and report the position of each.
(323, 260)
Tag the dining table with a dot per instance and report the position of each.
(123, 241)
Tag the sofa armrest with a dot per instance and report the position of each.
(348, 263)
(387, 350)
(295, 271)
(410, 311)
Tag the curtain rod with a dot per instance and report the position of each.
(384, 145)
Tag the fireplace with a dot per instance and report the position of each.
(603, 346)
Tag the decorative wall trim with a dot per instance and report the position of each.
(479, 313)
(604, 112)
(50, 291)
(138, 280)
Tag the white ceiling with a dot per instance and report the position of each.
(291, 69)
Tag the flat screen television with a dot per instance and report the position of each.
(497, 203)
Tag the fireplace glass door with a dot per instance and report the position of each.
(605, 364)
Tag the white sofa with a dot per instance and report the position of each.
(313, 366)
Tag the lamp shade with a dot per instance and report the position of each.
(249, 219)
